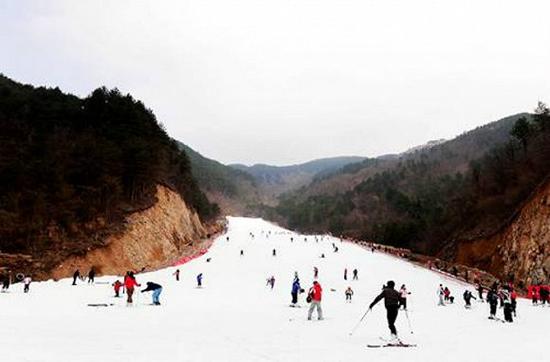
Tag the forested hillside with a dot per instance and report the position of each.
(235, 191)
(462, 188)
(71, 168)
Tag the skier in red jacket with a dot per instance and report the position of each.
(314, 294)
(117, 285)
(130, 283)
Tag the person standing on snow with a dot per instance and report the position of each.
(156, 289)
(467, 298)
(507, 301)
(6, 282)
(346, 274)
(441, 294)
(76, 275)
(91, 275)
(315, 272)
(480, 292)
(349, 294)
(391, 302)
(26, 283)
(403, 292)
(199, 280)
(177, 274)
(295, 290)
(314, 294)
(130, 283)
(492, 299)
(355, 274)
(116, 286)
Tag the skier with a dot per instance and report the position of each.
(26, 283)
(227, 238)
(513, 297)
(467, 298)
(391, 301)
(91, 275)
(492, 299)
(242, 252)
(199, 280)
(271, 281)
(130, 283)
(156, 289)
(76, 275)
(295, 290)
(6, 282)
(117, 285)
(177, 274)
(535, 295)
(446, 293)
(349, 294)
(314, 295)
(403, 297)
(274, 252)
(315, 272)
(441, 294)
(480, 292)
(507, 300)
(355, 274)
(544, 294)
(346, 274)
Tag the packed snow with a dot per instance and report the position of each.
(236, 316)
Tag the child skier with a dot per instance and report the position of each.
(391, 301)
(117, 285)
(156, 289)
(349, 294)
(403, 297)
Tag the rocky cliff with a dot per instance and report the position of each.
(152, 238)
(520, 251)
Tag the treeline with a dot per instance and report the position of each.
(71, 168)
(421, 204)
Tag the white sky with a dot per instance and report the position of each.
(288, 81)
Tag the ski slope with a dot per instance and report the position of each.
(236, 317)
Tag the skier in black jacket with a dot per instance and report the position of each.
(156, 289)
(492, 299)
(391, 301)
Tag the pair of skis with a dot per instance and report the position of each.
(391, 343)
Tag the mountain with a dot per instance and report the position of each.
(430, 199)
(235, 191)
(73, 171)
(276, 180)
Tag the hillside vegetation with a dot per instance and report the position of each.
(71, 168)
(463, 188)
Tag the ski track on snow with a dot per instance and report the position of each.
(236, 317)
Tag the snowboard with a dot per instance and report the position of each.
(100, 304)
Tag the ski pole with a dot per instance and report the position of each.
(408, 321)
(358, 323)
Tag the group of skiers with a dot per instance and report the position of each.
(7, 281)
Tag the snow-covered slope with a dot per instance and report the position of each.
(236, 317)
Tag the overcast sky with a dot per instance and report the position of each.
(284, 82)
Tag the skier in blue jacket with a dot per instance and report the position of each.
(295, 290)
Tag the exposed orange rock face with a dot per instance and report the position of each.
(521, 249)
(152, 239)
